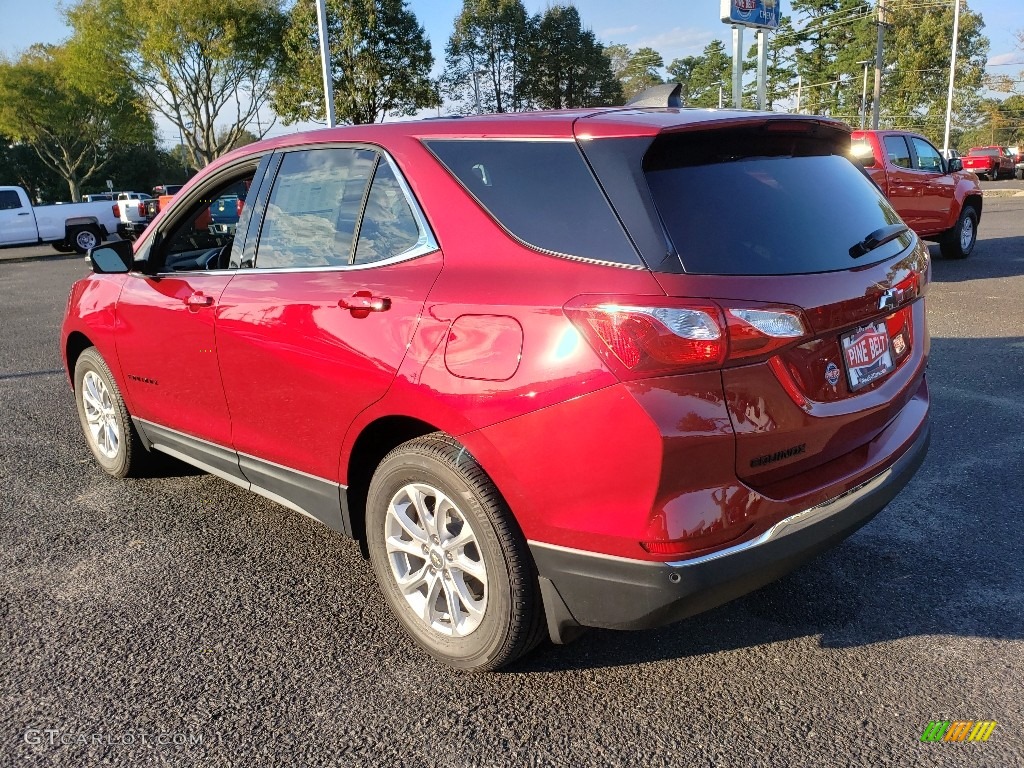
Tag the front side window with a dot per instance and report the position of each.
(204, 238)
(928, 158)
(897, 150)
(314, 207)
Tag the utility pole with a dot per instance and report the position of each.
(952, 74)
(876, 103)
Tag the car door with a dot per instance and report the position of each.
(17, 224)
(905, 188)
(166, 317)
(314, 327)
(938, 186)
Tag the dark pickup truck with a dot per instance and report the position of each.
(934, 196)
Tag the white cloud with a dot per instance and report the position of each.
(1012, 57)
(678, 41)
(614, 32)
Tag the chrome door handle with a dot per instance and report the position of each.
(361, 303)
(24, 213)
(198, 299)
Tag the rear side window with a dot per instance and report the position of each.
(388, 227)
(862, 150)
(897, 150)
(744, 204)
(542, 192)
(9, 200)
(312, 212)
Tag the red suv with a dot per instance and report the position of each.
(597, 368)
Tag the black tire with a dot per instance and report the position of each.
(84, 238)
(994, 175)
(1018, 174)
(951, 245)
(131, 459)
(512, 619)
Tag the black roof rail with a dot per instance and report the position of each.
(665, 95)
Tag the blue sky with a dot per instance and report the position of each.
(672, 27)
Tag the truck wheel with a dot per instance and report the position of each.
(959, 241)
(993, 175)
(85, 238)
(448, 557)
(1019, 174)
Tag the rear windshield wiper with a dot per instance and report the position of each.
(878, 238)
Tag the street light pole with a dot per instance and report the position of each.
(325, 61)
(864, 96)
(952, 73)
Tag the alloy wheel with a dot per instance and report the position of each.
(436, 560)
(100, 415)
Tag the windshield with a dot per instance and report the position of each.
(770, 215)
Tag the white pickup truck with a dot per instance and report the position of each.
(67, 227)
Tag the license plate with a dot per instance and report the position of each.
(866, 352)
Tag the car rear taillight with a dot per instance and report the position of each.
(142, 210)
(117, 210)
(239, 205)
(640, 337)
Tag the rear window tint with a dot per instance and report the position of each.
(9, 200)
(542, 192)
(768, 208)
(897, 150)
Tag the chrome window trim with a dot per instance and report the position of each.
(426, 243)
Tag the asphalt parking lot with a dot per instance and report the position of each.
(248, 635)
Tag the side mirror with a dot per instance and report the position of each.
(113, 258)
(954, 164)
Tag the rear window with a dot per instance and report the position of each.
(9, 200)
(985, 152)
(542, 192)
(739, 203)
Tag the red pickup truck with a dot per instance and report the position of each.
(935, 197)
(992, 162)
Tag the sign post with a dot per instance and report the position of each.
(761, 15)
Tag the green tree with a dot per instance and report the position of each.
(380, 63)
(702, 76)
(636, 71)
(487, 55)
(917, 57)
(20, 165)
(829, 38)
(71, 128)
(567, 66)
(205, 66)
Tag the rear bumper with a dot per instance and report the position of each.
(587, 589)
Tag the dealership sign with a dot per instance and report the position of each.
(752, 13)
